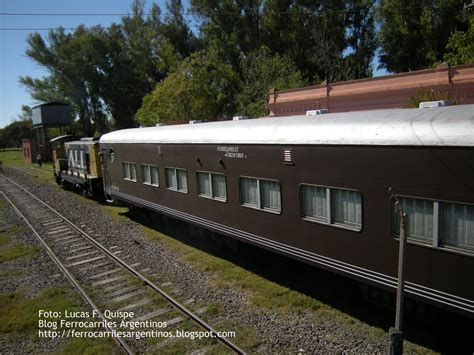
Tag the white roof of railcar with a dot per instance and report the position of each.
(441, 126)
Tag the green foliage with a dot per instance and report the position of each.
(12, 134)
(105, 72)
(20, 314)
(317, 36)
(17, 251)
(428, 95)
(201, 88)
(414, 34)
(460, 47)
(261, 72)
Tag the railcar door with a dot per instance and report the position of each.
(105, 172)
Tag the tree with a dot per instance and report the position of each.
(414, 33)
(460, 47)
(177, 32)
(318, 36)
(26, 113)
(15, 132)
(73, 78)
(262, 72)
(361, 38)
(133, 66)
(104, 73)
(231, 27)
(202, 88)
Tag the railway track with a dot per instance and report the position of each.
(112, 286)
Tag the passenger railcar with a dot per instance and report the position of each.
(320, 189)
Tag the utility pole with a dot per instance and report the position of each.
(396, 334)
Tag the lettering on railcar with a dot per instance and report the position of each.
(231, 152)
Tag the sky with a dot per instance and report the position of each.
(13, 61)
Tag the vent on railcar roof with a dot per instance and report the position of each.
(288, 156)
(432, 104)
(195, 121)
(240, 118)
(317, 112)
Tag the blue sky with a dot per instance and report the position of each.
(13, 61)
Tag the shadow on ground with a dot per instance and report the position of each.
(424, 324)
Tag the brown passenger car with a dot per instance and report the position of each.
(316, 188)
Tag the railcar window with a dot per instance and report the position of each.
(111, 155)
(437, 223)
(176, 179)
(150, 175)
(315, 204)
(129, 171)
(337, 207)
(419, 217)
(211, 185)
(270, 195)
(347, 207)
(457, 225)
(260, 193)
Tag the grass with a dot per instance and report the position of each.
(3, 239)
(13, 273)
(19, 314)
(15, 158)
(18, 251)
(263, 293)
(19, 319)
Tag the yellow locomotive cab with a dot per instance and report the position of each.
(78, 166)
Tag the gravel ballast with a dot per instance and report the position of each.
(276, 331)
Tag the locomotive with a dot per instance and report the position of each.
(76, 164)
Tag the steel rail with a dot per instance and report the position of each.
(71, 278)
(144, 279)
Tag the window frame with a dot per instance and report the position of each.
(436, 244)
(259, 207)
(130, 179)
(329, 207)
(151, 180)
(212, 197)
(177, 189)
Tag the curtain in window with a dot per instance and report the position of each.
(171, 178)
(126, 171)
(315, 202)
(419, 218)
(154, 175)
(146, 174)
(249, 191)
(133, 172)
(218, 186)
(271, 198)
(457, 225)
(347, 207)
(204, 184)
(182, 180)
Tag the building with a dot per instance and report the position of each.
(390, 91)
